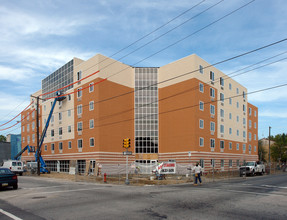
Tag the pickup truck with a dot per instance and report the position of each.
(252, 168)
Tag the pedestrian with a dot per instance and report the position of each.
(197, 172)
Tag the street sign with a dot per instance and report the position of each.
(127, 153)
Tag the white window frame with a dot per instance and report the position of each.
(91, 105)
(201, 142)
(212, 109)
(70, 145)
(80, 126)
(91, 87)
(212, 126)
(93, 142)
(80, 146)
(212, 92)
(201, 87)
(201, 123)
(79, 109)
(212, 142)
(91, 123)
(201, 105)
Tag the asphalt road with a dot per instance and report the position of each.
(259, 197)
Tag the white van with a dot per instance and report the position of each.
(15, 166)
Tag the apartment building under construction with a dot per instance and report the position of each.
(186, 111)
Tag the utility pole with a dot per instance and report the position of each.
(38, 147)
(269, 150)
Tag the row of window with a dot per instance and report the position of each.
(79, 145)
(221, 80)
(222, 143)
(231, 163)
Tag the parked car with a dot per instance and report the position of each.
(8, 178)
(252, 168)
(15, 166)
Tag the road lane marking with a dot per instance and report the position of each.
(10, 215)
(42, 187)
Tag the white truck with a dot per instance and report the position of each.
(15, 166)
(252, 168)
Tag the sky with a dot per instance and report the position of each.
(38, 37)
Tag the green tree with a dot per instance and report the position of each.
(279, 148)
(2, 138)
(261, 151)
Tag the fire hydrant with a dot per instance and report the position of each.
(105, 177)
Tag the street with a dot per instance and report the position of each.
(259, 197)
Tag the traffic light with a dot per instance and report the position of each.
(127, 143)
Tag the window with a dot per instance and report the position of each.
(230, 145)
(212, 76)
(70, 144)
(244, 108)
(69, 129)
(249, 111)
(33, 114)
(230, 86)
(221, 129)
(243, 94)
(254, 137)
(237, 163)
(212, 92)
(33, 138)
(33, 125)
(201, 142)
(254, 148)
(28, 139)
(221, 144)
(244, 147)
(249, 148)
(52, 133)
(60, 146)
(230, 101)
(244, 134)
(79, 109)
(255, 125)
(237, 146)
(60, 116)
(92, 142)
(45, 148)
(212, 126)
(250, 136)
(237, 91)
(230, 131)
(23, 139)
(91, 88)
(237, 104)
(221, 81)
(44, 107)
(230, 163)
(255, 113)
(79, 75)
(69, 113)
(212, 162)
(23, 128)
(237, 118)
(200, 69)
(52, 147)
(230, 116)
(237, 132)
(212, 109)
(222, 97)
(201, 124)
(201, 163)
(79, 92)
(80, 143)
(201, 88)
(244, 121)
(80, 126)
(201, 105)
(60, 131)
(212, 143)
(250, 124)
(221, 113)
(222, 163)
(91, 105)
(28, 128)
(91, 123)
(52, 118)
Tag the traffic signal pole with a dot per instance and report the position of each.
(127, 182)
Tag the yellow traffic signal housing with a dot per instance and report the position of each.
(127, 143)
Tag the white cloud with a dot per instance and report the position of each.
(273, 113)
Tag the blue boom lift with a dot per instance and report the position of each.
(43, 166)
